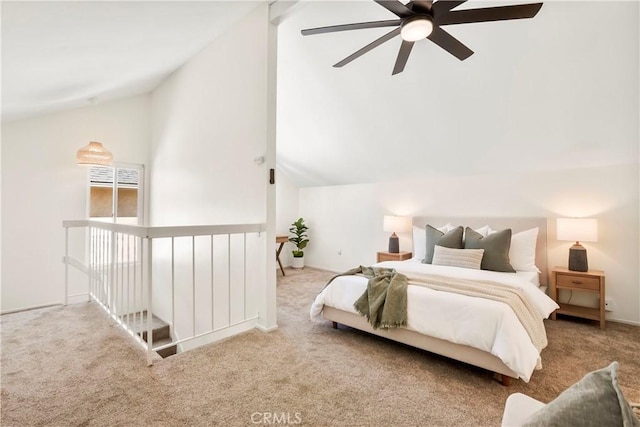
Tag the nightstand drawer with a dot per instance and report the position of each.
(577, 282)
(589, 281)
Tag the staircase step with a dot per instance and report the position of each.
(166, 352)
(141, 326)
(161, 333)
(158, 333)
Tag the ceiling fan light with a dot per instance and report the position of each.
(416, 28)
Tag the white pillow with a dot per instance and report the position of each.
(465, 258)
(446, 228)
(483, 230)
(420, 240)
(522, 253)
(419, 243)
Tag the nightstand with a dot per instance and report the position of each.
(388, 256)
(589, 281)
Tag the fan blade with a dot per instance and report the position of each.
(403, 55)
(396, 7)
(499, 13)
(368, 47)
(348, 27)
(441, 7)
(449, 43)
(423, 5)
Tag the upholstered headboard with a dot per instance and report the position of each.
(515, 224)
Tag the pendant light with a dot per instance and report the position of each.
(94, 154)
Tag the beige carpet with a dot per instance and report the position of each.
(72, 366)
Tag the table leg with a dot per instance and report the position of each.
(278, 257)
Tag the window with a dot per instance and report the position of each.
(127, 205)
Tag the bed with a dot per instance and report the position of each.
(481, 332)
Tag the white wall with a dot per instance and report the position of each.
(209, 123)
(210, 120)
(349, 218)
(543, 120)
(286, 211)
(42, 186)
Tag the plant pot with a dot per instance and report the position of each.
(298, 262)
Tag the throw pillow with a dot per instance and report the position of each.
(596, 400)
(451, 239)
(420, 240)
(465, 258)
(496, 249)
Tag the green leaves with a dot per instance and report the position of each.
(298, 228)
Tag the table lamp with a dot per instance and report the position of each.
(578, 230)
(400, 224)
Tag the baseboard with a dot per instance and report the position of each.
(626, 322)
(325, 269)
(215, 336)
(34, 307)
(263, 329)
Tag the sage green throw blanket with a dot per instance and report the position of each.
(384, 303)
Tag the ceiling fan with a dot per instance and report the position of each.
(420, 19)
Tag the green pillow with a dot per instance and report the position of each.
(595, 400)
(496, 249)
(452, 239)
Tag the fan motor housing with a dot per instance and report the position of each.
(416, 27)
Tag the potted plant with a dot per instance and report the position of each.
(298, 228)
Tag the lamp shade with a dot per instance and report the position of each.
(577, 229)
(400, 224)
(94, 154)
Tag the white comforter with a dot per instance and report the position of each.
(485, 324)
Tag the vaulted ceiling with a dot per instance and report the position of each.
(559, 89)
(556, 91)
(60, 55)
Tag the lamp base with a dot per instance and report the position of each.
(578, 258)
(394, 244)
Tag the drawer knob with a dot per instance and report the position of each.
(576, 282)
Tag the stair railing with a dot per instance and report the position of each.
(120, 261)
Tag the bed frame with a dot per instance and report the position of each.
(459, 352)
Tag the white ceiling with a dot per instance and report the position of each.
(533, 95)
(60, 55)
(556, 91)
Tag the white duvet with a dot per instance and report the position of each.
(481, 323)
